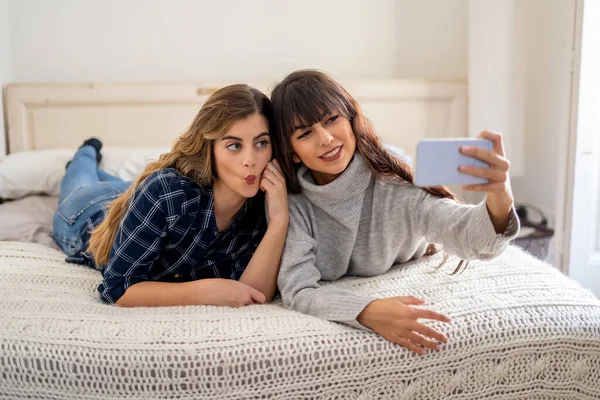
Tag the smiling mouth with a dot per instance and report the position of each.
(332, 153)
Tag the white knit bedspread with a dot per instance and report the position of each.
(519, 330)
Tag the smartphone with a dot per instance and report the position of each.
(438, 161)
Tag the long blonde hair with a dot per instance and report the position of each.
(191, 154)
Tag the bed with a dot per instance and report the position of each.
(520, 329)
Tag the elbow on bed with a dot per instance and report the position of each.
(297, 300)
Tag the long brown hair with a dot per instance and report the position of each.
(303, 97)
(191, 154)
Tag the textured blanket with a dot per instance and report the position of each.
(519, 330)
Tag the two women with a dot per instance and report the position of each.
(195, 216)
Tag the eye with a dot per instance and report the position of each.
(262, 143)
(234, 146)
(304, 134)
(332, 119)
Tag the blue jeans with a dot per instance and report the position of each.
(85, 191)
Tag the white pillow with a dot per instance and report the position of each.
(41, 171)
(128, 162)
(32, 172)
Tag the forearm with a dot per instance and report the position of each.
(261, 272)
(165, 294)
(499, 209)
(466, 231)
(329, 303)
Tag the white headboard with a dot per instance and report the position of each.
(47, 116)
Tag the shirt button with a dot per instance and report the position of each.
(176, 275)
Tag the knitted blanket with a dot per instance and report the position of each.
(519, 330)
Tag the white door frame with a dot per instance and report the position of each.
(578, 183)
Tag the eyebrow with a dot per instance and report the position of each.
(240, 139)
(306, 126)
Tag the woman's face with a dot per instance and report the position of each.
(326, 147)
(242, 154)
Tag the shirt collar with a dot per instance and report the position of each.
(351, 182)
(210, 209)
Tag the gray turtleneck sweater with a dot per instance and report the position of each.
(359, 225)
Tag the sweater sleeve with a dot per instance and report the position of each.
(299, 278)
(464, 230)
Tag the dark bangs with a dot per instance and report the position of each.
(306, 100)
(303, 98)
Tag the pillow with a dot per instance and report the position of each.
(41, 171)
(128, 162)
(32, 172)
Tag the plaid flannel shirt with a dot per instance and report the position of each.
(169, 234)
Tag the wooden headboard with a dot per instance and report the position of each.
(48, 116)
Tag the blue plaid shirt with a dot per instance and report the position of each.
(169, 234)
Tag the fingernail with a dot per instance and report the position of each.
(437, 347)
(462, 168)
(466, 148)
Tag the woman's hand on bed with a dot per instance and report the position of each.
(396, 319)
(227, 292)
(273, 184)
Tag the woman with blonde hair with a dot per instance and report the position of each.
(192, 228)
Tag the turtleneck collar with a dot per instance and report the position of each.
(353, 181)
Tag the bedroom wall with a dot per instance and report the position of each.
(549, 56)
(4, 66)
(154, 40)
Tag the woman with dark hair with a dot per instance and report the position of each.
(355, 211)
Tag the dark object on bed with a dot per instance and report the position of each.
(537, 241)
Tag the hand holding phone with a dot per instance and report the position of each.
(438, 162)
(479, 165)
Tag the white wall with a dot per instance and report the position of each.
(582, 247)
(548, 67)
(200, 40)
(4, 66)
(495, 74)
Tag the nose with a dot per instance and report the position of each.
(324, 136)
(249, 160)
